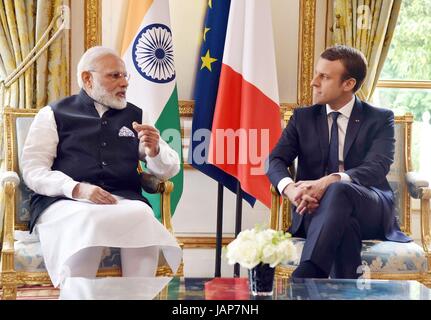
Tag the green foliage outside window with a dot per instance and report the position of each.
(409, 58)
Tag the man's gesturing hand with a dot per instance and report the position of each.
(149, 137)
(93, 193)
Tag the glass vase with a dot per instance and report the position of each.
(261, 279)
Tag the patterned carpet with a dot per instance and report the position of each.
(36, 293)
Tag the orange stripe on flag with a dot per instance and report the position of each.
(136, 11)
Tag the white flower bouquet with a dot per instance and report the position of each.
(260, 245)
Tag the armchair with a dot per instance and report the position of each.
(385, 259)
(21, 257)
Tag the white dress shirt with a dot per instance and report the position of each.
(342, 122)
(40, 150)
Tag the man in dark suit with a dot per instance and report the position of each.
(344, 148)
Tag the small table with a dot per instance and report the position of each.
(287, 289)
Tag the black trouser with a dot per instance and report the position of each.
(347, 214)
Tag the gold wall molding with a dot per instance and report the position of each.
(400, 84)
(203, 242)
(307, 31)
(93, 23)
(187, 107)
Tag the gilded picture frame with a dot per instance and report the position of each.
(93, 23)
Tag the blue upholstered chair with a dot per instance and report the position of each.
(385, 259)
(22, 262)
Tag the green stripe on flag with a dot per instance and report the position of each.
(170, 129)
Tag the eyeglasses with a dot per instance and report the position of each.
(115, 76)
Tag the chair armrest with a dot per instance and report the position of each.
(419, 189)
(9, 176)
(9, 181)
(274, 218)
(281, 211)
(168, 187)
(150, 183)
(415, 184)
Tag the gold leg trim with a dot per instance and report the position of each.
(9, 285)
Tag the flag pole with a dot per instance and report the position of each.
(219, 232)
(238, 221)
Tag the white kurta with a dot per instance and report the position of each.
(67, 226)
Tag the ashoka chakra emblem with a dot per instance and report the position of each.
(153, 54)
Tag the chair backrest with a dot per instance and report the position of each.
(17, 123)
(402, 164)
(396, 176)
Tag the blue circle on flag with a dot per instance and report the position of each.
(153, 54)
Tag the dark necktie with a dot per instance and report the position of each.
(333, 145)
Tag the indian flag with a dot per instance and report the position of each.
(148, 53)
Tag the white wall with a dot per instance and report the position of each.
(285, 19)
(320, 34)
(114, 14)
(77, 39)
(187, 18)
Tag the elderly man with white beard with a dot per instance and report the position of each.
(80, 159)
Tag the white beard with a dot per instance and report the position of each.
(99, 94)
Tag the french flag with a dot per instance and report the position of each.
(246, 124)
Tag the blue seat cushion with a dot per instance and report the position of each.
(29, 258)
(383, 256)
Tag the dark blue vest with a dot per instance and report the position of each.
(91, 150)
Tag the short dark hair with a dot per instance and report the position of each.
(353, 60)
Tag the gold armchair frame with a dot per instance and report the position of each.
(281, 215)
(10, 278)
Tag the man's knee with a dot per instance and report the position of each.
(337, 190)
(336, 197)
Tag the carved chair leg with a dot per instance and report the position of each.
(9, 285)
(427, 281)
(427, 277)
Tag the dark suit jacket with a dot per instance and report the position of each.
(368, 154)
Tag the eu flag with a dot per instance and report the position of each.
(205, 95)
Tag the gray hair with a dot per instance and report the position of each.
(89, 59)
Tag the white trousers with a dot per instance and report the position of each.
(73, 234)
(135, 262)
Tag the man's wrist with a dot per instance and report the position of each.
(288, 187)
(332, 178)
(283, 183)
(155, 153)
(76, 191)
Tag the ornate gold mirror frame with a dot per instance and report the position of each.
(93, 23)
(307, 27)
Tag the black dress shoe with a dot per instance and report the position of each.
(308, 269)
